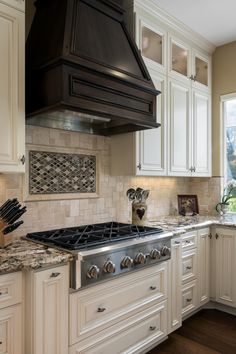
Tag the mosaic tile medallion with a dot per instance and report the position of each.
(61, 173)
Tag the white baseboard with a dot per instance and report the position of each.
(213, 306)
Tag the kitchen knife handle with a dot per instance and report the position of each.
(12, 227)
(17, 216)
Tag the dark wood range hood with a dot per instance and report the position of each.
(84, 71)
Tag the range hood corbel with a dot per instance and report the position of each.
(84, 71)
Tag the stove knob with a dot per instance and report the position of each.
(165, 251)
(126, 262)
(93, 272)
(109, 267)
(140, 258)
(155, 254)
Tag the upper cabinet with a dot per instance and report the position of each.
(179, 63)
(17, 4)
(12, 97)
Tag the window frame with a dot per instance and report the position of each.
(223, 164)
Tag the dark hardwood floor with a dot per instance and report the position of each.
(207, 332)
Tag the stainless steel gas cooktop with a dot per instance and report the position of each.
(103, 251)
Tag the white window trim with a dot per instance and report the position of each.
(223, 99)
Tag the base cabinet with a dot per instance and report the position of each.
(133, 336)
(47, 311)
(174, 286)
(225, 266)
(204, 266)
(11, 330)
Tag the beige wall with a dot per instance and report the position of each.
(224, 82)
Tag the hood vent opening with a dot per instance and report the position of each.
(84, 71)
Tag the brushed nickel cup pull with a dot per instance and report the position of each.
(0, 342)
(177, 242)
(188, 267)
(153, 287)
(101, 309)
(54, 275)
(187, 241)
(152, 328)
(188, 300)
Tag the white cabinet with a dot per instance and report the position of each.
(179, 128)
(174, 286)
(143, 153)
(12, 114)
(123, 315)
(47, 311)
(225, 266)
(189, 130)
(17, 4)
(11, 321)
(195, 269)
(182, 145)
(204, 265)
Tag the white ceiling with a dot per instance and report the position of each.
(213, 19)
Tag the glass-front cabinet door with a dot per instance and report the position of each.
(152, 43)
(179, 59)
(201, 70)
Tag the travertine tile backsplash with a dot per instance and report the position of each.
(112, 203)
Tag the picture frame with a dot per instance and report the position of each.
(188, 205)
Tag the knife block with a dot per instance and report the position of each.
(4, 239)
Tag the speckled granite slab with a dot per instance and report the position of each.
(180, 224)
(22, 254)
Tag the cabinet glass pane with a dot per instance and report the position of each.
(201, 71)
(151, 45)
(179, 59)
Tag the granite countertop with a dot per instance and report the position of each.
(181, 224)
(27, 255)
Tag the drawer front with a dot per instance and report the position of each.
(11, 330)
(10, 289)
(131, 336)
(189, 297)
(189, 240)
(189, 265)
(93, 309)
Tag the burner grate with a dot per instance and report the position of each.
(88, 236)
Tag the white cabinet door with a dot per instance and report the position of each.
(203, 265)
(201, 70)
(179, 129)
(151, 143)
(47, 320)
(11, 330)
(18, 4)
(226, 266)
(12, 115)
(175, 289)
(201, 134)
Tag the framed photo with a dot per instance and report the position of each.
(188, 205)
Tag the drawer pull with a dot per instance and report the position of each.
(153, 287)
(54, 275)
(0, 293)
(188, 267)
(101, 309)
(0, 342)
(188, 300)
(187, 241)
(177, 242)
(152, 328)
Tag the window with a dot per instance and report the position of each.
(229, 140)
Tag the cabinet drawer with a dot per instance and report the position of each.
(131, 336)
(95, 308)
(10, 289)
(11, 330)
(189, 265)
(189, 297)
(189, 240)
